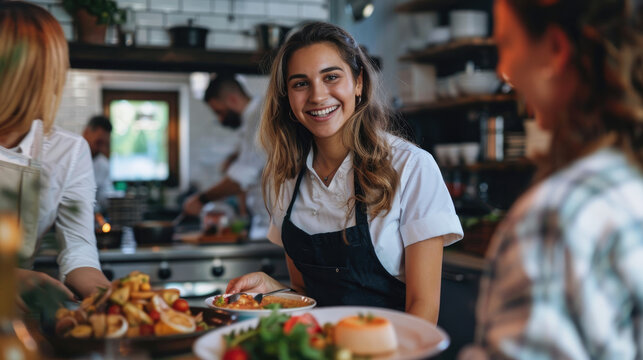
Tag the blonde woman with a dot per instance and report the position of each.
(362, 214)
(45, 173)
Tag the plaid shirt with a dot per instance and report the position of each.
(565, 269)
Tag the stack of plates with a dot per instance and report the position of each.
(515, 145)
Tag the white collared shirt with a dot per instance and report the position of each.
(104, 187)
(246, 169)
(422, 208)
(66, 196)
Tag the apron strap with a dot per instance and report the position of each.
(295, 192)
(360, 207)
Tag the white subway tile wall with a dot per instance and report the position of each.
(164, 5)
(196, 6)
(230, 21)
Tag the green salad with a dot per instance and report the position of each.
(285, 337)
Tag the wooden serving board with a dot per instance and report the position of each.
(199, 238)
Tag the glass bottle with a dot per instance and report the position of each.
(15, 341)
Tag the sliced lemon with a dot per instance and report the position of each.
(81, 331)
(116, 326)
(158, 304)
(160, 329)
(178, 322)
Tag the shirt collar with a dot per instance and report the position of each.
(343, 168)
(24, 147)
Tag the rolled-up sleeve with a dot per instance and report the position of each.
(75, 215)
(427, 208)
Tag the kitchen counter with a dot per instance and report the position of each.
(198, 270)
(256, 249)
(463, 259)
(178, 251)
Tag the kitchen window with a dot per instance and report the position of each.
(144, 140)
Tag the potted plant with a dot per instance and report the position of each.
(92, 18)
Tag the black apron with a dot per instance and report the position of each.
(338, 272)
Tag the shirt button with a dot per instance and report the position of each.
(315, 212)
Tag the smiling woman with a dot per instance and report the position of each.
(362, 214)
(332, 91)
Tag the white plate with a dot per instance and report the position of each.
(417, 338)
(247, 314)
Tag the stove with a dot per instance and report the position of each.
(198, 271)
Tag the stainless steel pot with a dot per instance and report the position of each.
(189, 36)
(270, 36)
(153, 232)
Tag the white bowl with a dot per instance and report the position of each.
(470, 152)
(468, 23)
(477, 82)
(452, 154)
(441, 154)
(247, 314)
(439, 35)
(423, 23)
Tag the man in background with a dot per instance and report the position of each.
(236, 109)
(97, 133)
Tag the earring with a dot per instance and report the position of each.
(358, 99)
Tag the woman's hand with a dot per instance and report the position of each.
(28, 279)
(84, 281)
(258, 282)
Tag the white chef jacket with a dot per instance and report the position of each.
(246, 169)
(66, 196)
(422, 208)
(104, 186)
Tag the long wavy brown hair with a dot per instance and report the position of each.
(607, 39)
(287, 142)
(33, 66)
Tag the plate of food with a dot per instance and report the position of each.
(132, 315)
(247, 307)
(340, 332)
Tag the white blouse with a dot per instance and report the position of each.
(422, 208)
(67, 196)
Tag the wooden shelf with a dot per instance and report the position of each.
(518, 164)
(463, 102)
(109, 57)
(454, 49)
(430, 5)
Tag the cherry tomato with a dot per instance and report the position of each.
(147, 330)
(312, 326)
(236, 353)
(154, 315)
(114, 310)
(181, 305)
